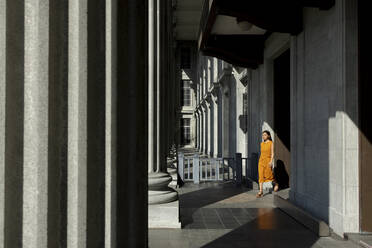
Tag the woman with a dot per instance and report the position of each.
(265, 163)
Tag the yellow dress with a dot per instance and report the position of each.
(265, 173)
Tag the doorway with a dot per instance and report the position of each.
(365, 134)
(282, 119)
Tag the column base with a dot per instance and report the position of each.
(159, 192)
(164, 215)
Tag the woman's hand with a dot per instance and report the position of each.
(271, 164)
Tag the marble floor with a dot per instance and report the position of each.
(221, 215)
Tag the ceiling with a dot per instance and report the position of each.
(187, 14)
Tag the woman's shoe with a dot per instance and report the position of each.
(259, 195)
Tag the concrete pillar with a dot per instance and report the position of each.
(77, 131)
(210, 110)
(196, 129)
(14, 118)
(225, 121)
(58, 124)
(199, 129)
(216, 117)
(158, 178)
(205, 127)
(163, 201)
(2, 114)
(35, 143)
(132, 86)
(111, 128)
(202, 131)
(86, 126)
(25, 148)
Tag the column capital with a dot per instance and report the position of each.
(226, 72)
(198, 108)
(204, 105)
(216, 87)
(245, 76)
(208, 97)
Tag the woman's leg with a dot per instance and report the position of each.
(276, 187)
(261, 187)
(260, 177)
(260, 193)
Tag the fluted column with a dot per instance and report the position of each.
(202, 129)
(158, 178)
(77, 131)
(2, 114)
(197, 129)
(205, 127)
(35, 146)
(210, 109)
(216, 120)
(58, 136)
(225, 120)
(132, 124)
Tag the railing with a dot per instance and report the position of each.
(251, 168)
(200, 169)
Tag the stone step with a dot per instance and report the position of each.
(319, 227)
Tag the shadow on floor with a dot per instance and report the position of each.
(270, 229)
(195, 197)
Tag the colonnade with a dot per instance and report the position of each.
(74, 122)
(161, 108)
(212, 110)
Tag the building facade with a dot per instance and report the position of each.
(297, 76)
(186, 70)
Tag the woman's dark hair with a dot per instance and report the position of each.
(268, 133)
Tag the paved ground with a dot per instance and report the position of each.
(221, 215)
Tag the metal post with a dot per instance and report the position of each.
(217, 167)
(238, 168)
(196, 169)
(181, 165)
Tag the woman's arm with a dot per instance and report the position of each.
(272, 154)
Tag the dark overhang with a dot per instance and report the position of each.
(245, 47)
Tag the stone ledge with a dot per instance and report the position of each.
(319, 227)
(164, 215)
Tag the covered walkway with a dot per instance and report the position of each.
(221, 215)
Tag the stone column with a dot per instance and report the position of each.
(216, 124)
(225, 121)
(132, 124)
(202, 127)
(210, 109)
(86, 123)
(25, 150)
(58, 122)
(196, 129)
(35, 136)
(205, 127)
(2, 115)
(163, 200)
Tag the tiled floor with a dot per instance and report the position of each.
(221, 215)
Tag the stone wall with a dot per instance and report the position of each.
(324, 147)
(324, 113)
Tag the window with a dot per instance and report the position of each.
(186, 93)
(185, 58)
(185, 131)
